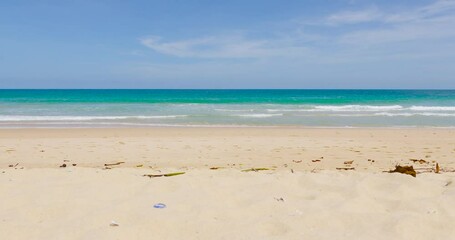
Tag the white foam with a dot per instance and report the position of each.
(357, 108)
(387, 114)
(431, 108)
(428, 114)
(339, 108)
(81, 118)
(258, 115)
(233, 110)
(289, 110)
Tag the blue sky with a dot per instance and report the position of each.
(227, 44)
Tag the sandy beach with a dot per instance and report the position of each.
(313, 184)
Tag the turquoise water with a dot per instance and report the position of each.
(319, 108)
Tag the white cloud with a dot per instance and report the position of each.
(420, 25)
(225, 47)
(422, 31)
(352, 17)
(438, 8)
(431, 22)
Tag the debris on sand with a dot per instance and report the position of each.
(345, 168)
(159, 205)
(255, 169)
(316, 160)
(164, 175)
(348, 162)
(405, 170)
(63, 165)
(421, 161)
(113, 224)
(15, 165)
(436, 170)
(113, 164)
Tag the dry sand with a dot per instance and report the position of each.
(302, 196)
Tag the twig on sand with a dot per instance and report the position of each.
(255, 169)
(113, 164)
(164, 175)
(215, 168)
(345, 168)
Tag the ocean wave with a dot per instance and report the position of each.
(356, 108)
(258, 115)
(233, 110)
(81, 118)
(432, 108)
(362, 108)
(289, 110)
(339, 108)
(428, 114)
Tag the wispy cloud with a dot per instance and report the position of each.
(434, 21)
(379, 31)
(374, 14)
(225, 46)
(352, 17)
(437, 9)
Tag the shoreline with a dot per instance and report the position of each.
(164, 126)
(300, 149)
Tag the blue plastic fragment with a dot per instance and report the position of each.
(159, 205)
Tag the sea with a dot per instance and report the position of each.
(226, 108)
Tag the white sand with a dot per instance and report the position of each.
(39, 200)
(225, 204)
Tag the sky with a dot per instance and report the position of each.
(227, 44)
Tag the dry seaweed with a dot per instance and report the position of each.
(348, 162)
(345, 168)
(164, 175)
(316, 160)
(113, 164)
(215, 168)
(405, 170)
(255, 169)
(421, 161)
